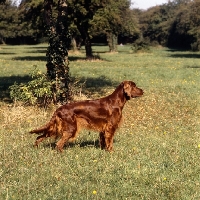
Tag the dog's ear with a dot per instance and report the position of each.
(127, 88)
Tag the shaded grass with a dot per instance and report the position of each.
(157, 150)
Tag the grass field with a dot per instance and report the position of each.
(156, 151)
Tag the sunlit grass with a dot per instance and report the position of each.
(157, 149)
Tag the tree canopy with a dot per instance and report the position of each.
(174, 24)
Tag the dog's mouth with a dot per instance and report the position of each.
(136, 93)
(139, 94)
(133, 96)
(136, 96)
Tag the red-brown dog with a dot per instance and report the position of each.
(102, 115)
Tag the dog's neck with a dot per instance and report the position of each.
(118, 97)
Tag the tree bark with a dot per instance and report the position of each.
(74, 44)
(112, 42)
(88, 47)
(86, 38)
(57, 53)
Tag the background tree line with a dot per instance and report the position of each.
(88, 19)
(175, 24)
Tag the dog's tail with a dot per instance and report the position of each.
(46, 127)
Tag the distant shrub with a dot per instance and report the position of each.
(140, 45)
(36, 91)
(195, 46)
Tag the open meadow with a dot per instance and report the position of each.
(156, 151)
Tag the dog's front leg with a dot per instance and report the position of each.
(102, 141)
(109, 136)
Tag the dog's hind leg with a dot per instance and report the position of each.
(51, 131)
(64, 139)
(68, 132)
(39, 139)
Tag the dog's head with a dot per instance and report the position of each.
(131, 91)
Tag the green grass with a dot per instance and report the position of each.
(157, 150)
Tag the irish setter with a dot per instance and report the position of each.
(102, 115)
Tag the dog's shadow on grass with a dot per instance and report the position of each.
(82, 144)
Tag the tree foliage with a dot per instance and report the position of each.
(185, 29)
(81, 13)
(8, 16)
(175, 24)
(31, 14)
(114, 19)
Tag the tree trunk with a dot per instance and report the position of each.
(112, 42)
(86, 38)
(57, 54)
(88, 48)
(74, 45)
(2, 40)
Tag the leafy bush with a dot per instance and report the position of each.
(195, 46)
(36, 91)
(140, 45)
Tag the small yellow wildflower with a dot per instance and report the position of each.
(94, 192)
(164, 178)
(199, 146)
